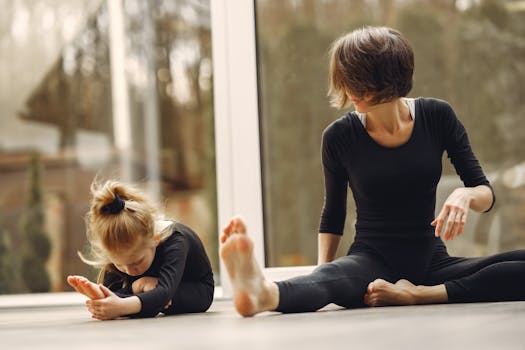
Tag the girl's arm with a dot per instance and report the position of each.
(114, 304)
(103, 303)
(175, 252)
(138, 300)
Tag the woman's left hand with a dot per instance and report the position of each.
(454, 213)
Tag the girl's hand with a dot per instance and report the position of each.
(454, 213)
(108, 308)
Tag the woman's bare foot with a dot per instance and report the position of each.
(236, 225)
(381, 293)
(86, 287)
(403, 292)
(252, 292)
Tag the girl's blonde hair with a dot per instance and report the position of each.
(118, 217)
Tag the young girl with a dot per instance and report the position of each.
(148, 265)
(389, 151)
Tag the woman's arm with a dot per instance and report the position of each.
(482, 198)
(477, 193)
(334, 209)
(327, 247)
(456, 207)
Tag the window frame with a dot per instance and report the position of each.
(237, 135)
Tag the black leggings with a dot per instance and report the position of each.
(499, 277)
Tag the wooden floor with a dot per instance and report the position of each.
(52, 325)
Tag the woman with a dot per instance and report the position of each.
(389, 152)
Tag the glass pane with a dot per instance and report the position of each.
(469, 53)
(57, 129)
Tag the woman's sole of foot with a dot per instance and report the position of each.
(250, 288)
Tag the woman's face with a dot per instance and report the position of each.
(136, 261)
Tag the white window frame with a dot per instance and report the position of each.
(238, 163)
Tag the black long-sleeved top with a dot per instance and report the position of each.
(394, 188)
(179, 258)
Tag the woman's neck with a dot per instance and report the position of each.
(388, 117)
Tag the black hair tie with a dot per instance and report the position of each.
(114, 207)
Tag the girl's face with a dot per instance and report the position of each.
(136, 261)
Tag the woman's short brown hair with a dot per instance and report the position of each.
(374, 61)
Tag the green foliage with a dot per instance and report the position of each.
(495, 12)
(37, 245)
(4, 271)
(490, 82)
(295, 71)
(474, 58)
(10, 280)
(34, 274)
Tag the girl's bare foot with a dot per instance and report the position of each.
(86, 287)
(382, 293)
(252, 292)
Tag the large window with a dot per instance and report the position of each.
(126, 91)
(122, 91)
(470, 53)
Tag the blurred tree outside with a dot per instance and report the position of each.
(65, 113)
(470, 53)
(7, 263)
(37, 246)
(177, 50)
